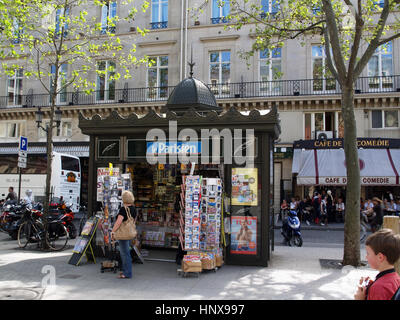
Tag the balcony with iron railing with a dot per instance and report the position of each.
(259, 89)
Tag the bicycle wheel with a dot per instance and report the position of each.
(57, 236)
(24, 234)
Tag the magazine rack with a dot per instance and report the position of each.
(83, 245)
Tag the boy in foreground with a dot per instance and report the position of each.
(383, 250)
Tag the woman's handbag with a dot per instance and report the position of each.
(127, 229)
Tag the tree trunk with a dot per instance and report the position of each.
(49, 150)
(351, 254)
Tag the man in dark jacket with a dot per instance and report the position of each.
(11, 194)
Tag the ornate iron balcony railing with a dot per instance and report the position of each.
(258, 89)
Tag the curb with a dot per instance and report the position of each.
(317, 228)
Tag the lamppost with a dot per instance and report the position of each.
(39, 119)
(49, 134)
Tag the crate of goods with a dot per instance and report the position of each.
(219, 261)
(191, 263)
(208, 261)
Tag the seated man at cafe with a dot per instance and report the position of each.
(390, 208)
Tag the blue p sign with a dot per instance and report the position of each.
(23, 144)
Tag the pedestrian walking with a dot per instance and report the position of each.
(128, 207)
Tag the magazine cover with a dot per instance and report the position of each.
(244, 235)
(244, 186)
(80, 245)
(87, 228)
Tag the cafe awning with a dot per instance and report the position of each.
(328, 166)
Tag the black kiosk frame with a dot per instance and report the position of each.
(120, 130)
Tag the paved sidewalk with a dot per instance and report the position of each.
(293, 274)
(333, 226)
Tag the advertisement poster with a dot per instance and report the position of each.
(244, 186)
(244, 235)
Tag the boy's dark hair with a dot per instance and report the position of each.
(12, 188)
(386, 242)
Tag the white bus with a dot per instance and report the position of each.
(65, 179)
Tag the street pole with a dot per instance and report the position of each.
(19, 184)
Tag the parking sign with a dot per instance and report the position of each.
(23, 144)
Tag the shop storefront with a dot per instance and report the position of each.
(321, 164)
(202, 178)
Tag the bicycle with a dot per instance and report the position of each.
(32, 230)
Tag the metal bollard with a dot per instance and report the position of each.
(393, 223)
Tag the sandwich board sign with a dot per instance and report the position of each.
(83, 246)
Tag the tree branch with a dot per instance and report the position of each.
(374, 44)
(315, 25)
(334, 40)
(356, 44)
(328, 56)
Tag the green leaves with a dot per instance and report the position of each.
(57, 32)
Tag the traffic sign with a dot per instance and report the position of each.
(22, 154)
(21, 164)
(21, 159)
(23, 143)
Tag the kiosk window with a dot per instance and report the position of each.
(136, 148)
(108, 149)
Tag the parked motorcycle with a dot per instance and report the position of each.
(10, 216)
(65, 214)
(291, 230)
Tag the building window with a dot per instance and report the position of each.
(16, 31)
(380, 68)
(61, 22)
(65, 129)
(157, 78)
(269, 6)
(322, 77)
(15, 87)
(105, 81)
(270, 70)
(330, 124)
(220, 72)
(159, 14)
(220, 11)
(108, 14)
(61, 81)
(12, 129)
(385, 119)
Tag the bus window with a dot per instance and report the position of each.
(70, 164)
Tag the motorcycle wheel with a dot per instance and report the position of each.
(296, 241)
(72, 231)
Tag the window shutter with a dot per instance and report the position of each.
(215, 9)
(104, 15)
(66, 23)
(113, 9)
(226, 8)
(58, 12)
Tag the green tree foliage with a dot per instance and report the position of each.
(351, 31)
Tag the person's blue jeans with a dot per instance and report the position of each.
(124, 249)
